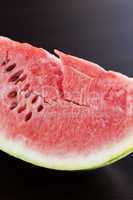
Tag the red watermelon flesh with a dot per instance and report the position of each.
(65, 110)
(87, 67)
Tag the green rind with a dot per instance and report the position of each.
(114, 159)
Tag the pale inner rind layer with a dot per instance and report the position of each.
(98, 158)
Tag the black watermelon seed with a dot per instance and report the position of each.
(11, 67)
(15, 76)
(40, 108)
(13, 105)
(28, 116)
(12, 94)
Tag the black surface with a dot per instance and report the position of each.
(99, 30)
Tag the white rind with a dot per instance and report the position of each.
(95, 160)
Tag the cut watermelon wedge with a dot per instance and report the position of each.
(62, 113)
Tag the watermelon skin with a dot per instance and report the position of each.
(67, 113)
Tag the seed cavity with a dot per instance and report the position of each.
(26, 87)
(45, 101)
(21, 108)
(4, 63)
(12, 94)
(21, 79)
(34, 99)
(15, 76)
(6, 59)
(28, 116)
(40, 108)
(27, 95)
(11, 67)
(13, 105)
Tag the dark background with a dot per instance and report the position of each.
(98, 30)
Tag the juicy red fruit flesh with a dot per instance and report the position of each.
(56, 108)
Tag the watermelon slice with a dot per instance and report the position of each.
(62, 113)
